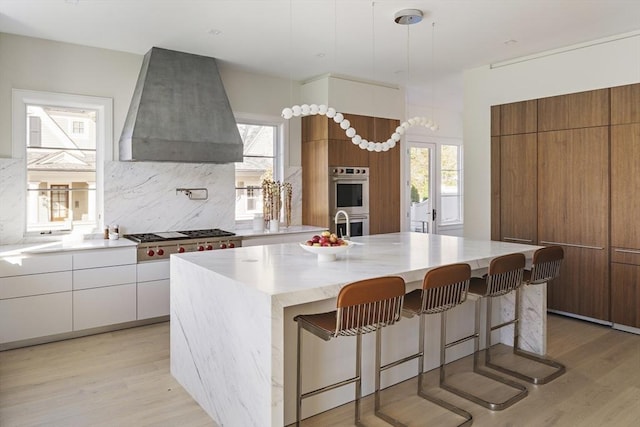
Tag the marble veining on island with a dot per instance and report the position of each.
(233, 337)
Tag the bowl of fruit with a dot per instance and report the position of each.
(326, 246)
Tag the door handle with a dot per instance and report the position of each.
(433, 215)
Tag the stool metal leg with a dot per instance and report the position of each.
(494, 406)
(559, 367)
(358, 376)
(299, 378)
(378, 412)
(443, 346)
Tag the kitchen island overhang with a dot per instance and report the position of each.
(233, 337)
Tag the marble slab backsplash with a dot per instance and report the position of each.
(141, 197)
(12, 201)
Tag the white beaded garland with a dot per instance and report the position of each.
(322, 109)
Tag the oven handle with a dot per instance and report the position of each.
(353, 217)
(349, 178)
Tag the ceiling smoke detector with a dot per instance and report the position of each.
(408, 16)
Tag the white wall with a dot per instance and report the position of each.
(606, 63)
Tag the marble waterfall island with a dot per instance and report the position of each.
(233, 336)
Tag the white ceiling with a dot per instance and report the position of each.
(301, 39)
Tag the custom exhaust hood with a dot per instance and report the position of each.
(180, 112)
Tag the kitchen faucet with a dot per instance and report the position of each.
(346, 218)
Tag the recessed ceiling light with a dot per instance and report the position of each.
(510, 41)
(214, 32)
(72, 1)
(321, 55)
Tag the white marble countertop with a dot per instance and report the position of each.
(294, 276)
(293, 229)
(62, 246)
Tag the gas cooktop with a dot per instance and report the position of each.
(178, 235)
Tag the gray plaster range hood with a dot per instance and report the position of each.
(180, 112)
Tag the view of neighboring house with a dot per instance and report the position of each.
(61, 171)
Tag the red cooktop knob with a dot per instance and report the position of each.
(161, 252)
(231, 245)
(223, 246)
(201, 248)
(180, 249)
(209, 247)
(150, 252)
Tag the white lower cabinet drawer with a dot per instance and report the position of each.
(35, 316)
(104, 306)
(153, 299)
(35, 284)
(105, 276)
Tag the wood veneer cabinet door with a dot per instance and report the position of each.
(384, 182)
(495, 187)
(362, 124)
(573, 210)
(625, 294)
(518, 188)
(625, 186)
(344, 153)
(625, 104)
(495, 120)
(577, 110)
(315, 183)
(519, 117)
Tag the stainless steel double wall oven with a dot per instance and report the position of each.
(349, 192)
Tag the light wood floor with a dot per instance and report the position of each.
(122, 379)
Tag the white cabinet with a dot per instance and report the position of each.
(34, 316)
(35, 296)
(153, 289)
(104, 306)
(104, 287)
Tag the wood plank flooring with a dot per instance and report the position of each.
(122, 379)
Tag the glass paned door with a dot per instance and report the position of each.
(421, 187)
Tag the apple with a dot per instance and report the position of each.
(324, 240)
(325, 234)
(316, 244)
(315, 239)
(309, 242)
(333, 238)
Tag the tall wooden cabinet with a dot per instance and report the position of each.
(625, 205)
(325, 144)
(550, 185)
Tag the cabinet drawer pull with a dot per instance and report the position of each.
(515, 239)
(573, 245)
(627, 251)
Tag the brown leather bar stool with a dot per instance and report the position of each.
(504, 276)
(362, 307)
(545, 267)
(442, 289)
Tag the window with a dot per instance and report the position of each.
(450, 182)
(78, 127)
(64, 140)
(260, 161)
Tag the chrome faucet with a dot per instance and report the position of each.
(346, 218)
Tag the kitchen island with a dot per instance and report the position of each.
(233, 335)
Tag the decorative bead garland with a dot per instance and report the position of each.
(313, 109)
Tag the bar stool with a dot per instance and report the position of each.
(505, 275)
(362, 307)
(442, 289)
(545, 267)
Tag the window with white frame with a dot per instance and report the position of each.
(260, 161)
(63, 139)
(450, 184)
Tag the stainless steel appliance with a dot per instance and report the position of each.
(358, 226)
(349, 192)
(155, 246)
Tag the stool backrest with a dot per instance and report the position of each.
(368, 305)
(445, 287)
(546, 264)
(505, 274)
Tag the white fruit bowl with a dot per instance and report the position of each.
(327, 253)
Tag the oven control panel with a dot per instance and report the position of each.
(348, 171)
(162, 250)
